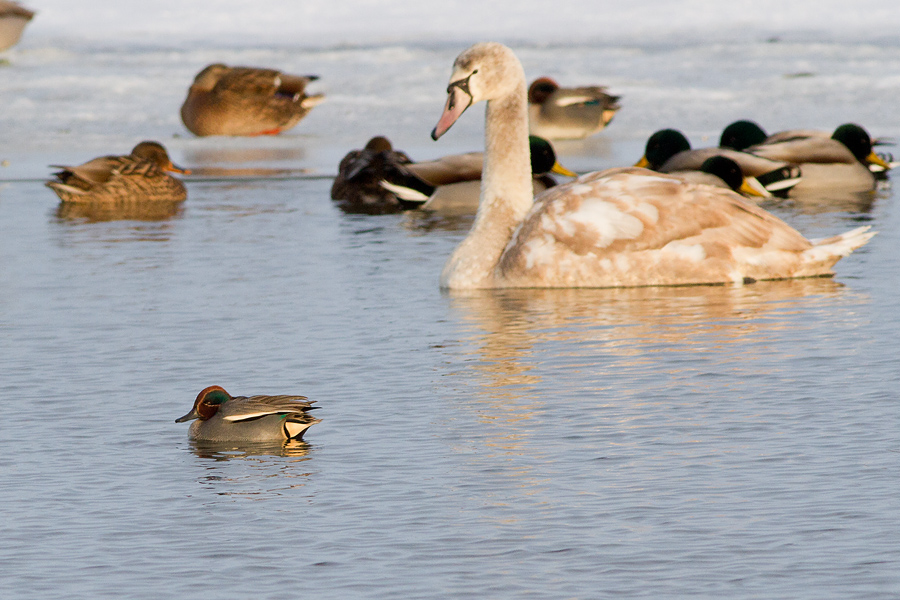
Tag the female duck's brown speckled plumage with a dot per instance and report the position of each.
(227, 100)
(137, 177)
(221, 417)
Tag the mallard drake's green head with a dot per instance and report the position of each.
(207, 404)
(661, 146)
(543, 158)
(859, 143)
(740, 135)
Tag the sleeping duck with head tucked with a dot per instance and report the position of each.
(620, 227)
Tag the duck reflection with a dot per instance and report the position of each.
(211, 164)
(830, 201)
(252, 471)
(223, 451)
(425, 221)
(96, 212)
(207, 155)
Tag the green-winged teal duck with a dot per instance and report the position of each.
(221, 417)
(558, 113)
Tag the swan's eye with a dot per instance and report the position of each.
(462, 84)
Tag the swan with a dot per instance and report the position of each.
(620, 227)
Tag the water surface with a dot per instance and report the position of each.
(701, 442)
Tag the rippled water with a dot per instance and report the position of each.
(704, 442)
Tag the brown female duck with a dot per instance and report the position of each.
(227, 100)
(137, 177)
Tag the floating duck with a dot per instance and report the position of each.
(221, 417)
(557, 113)
(453, 183)
(842, 160)
(139, 177)
(721, 171)
(357, 189)
(669, 151)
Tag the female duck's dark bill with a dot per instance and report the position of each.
(458, 100)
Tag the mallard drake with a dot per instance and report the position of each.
(137, 177)
(559, 113)
(453, 183)
(721, 171)
(356, 188)
(227, 100)
(13, 19)
(616, 228)
(221, 417)
(669, 151)
(843, 160)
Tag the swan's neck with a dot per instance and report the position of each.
(506, 193)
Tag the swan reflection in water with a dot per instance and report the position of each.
(519, 337)
(599, 362)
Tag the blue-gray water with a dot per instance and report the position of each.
(702, 442)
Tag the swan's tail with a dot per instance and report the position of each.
(838, 246)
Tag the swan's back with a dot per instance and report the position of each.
(632, 227)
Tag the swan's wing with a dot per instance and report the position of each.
(638, 220)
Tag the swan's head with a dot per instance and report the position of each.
(485, 71)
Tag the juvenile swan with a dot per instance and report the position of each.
(615, 228)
